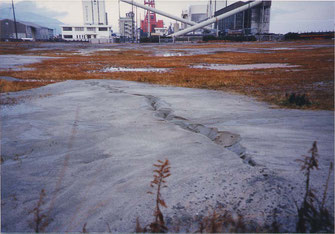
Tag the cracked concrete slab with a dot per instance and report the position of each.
(91, 145)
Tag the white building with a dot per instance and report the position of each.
(95, 25)
(184, 15)
(195, 13)
(86, 32)
(94, 12)
(198, 13)
(127, 26)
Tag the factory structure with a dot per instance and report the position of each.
(238, 19)
(248, 18)
(195, 13)
(252, 21)
(24, 31)
(95, 28)
(150, 21)
(94, 12)
(127, 27)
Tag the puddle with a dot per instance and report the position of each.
(242, 50)
(87, 52)
(170, 54)
(322, 85)
(9, 78)
(127, 69)
(15, 62)
(108, 49)
(233, 67)
(38, 80)
(282, 48)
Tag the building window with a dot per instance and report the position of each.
(102, 29)
(79, 29)
(68, 36)
(91, 29)
(67, 28)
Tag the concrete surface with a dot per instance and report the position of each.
(91, 145)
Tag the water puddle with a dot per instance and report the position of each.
(9, 78)
(128, 69)
(87, 52)
(108, 49)
(170, 54)
(282, 48)
(234, 67)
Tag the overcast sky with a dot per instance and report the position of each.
(286, 16)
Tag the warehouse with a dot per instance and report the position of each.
(25, 31)
(255, 20)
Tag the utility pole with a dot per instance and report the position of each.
(136, 28)
(210, 9)
(14, 21)
(149, 26)
(119, 10)
(132, 22)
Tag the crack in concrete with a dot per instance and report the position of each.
(228, 140)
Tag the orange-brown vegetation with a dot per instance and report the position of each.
(13, 86)
(314, 77)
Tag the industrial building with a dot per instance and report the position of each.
(255, 20)
(95, 27)
(94, 12)
(127, 27)
(195, 13)
(25, 31)
(150, 21)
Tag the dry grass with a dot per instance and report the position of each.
(313, 216)
(14, 86)
(41, 220)
(161, 172)
(314, 77)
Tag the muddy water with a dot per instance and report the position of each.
(128, 69)
(233, 67)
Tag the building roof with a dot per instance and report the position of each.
(86, 25)
(197, 9)
(231, 7)
(28, 24)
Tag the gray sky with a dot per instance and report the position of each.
(286, 16)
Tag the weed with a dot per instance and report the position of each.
(297, 99)
(222, 222)
(312, 215)
(159, 182)
(84, 228)
(41, 221)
